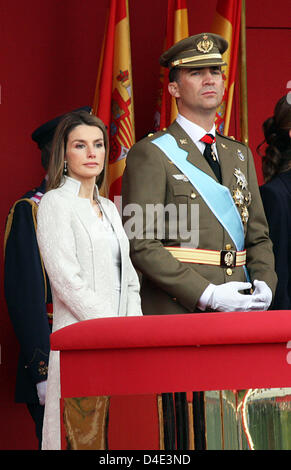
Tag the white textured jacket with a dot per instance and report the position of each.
(77, 259)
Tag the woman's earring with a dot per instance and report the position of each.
(65, 167)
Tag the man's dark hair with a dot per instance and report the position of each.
(174, 74)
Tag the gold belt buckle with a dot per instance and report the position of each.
(227, 258)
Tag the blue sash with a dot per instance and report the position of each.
(216, 196)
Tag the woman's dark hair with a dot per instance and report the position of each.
(277, 157)
(66, 125)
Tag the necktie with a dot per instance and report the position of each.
(210, 156)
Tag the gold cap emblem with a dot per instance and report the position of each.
(205, 45)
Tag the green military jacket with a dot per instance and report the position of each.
(170, 286)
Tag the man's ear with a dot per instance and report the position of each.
(173, 89)
(290, 133)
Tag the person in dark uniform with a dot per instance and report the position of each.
(214, 243)
(276, 195)
(27, 289)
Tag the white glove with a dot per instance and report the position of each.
(226, 297)
(262, 294)
(41, 391)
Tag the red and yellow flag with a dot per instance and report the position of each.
(227, 23)
(177, 29)
(113, 100)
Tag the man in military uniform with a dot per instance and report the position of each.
(27, 289)
(227, 250)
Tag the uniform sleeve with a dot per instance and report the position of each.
(260, 256)
(56, 240)
(145, 182)
(25, 291)
(277, 219)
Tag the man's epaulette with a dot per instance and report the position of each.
(11, 215)
(33, 198)
(231, 138)
(33, 201)
(156, 133)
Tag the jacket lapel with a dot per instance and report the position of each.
(194, 155)
(84, 213)
(116, 225)
(114, 218)
(226, 160)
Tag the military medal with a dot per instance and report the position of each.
(181, 177)
(240, 155)
(244, 214)
(241, 179)
(238, 197)
(248, 199)
(242, 198)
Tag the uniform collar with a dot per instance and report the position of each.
(193, 130)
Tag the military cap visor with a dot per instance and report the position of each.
(201, 50)
(45, 133)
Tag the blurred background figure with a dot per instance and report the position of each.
(276, 194)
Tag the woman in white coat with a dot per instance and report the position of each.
(83, 244)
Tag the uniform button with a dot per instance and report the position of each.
(229, 271)
(228, 247)
(193, 195)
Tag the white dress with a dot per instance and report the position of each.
(91, 275)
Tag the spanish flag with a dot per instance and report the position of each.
(177, 29)
(227, 23)
(113, 100)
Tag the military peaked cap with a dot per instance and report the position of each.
(201, 50)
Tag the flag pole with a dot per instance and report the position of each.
(243, 79)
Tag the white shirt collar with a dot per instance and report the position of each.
(193, 130)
